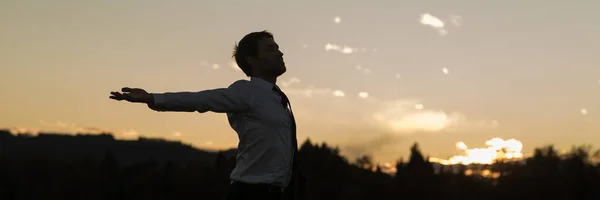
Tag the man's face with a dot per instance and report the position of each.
(268, 60)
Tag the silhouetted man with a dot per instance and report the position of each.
(257, 110)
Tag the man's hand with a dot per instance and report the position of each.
(134, 95)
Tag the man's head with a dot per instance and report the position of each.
(258, 54)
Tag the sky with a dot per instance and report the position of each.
(371, 77)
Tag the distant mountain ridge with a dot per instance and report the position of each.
(69, 147)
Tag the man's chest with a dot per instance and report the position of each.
(270, 111)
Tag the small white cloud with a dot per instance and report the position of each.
(305, 46)
(445, 70)
(177, 134)
(457, 20)
(337, 20)
(128, 134)
(93, 130)
(434, 22)
(290, 82)
(347, 50)
(344, 49)
(63, 125)
(338, 93)
(203, 64)
(216, 66)
(363, 95)
(419, 106)
(58, 124)
(309, 91)
(363, 69)
(398, 76)
(495, 123)
(367, 71)
(72, 128)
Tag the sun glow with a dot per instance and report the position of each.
(497, 149)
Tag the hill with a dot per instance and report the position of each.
(71, 148)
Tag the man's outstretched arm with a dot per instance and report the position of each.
(235, 98)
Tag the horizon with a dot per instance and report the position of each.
(369, 79)
(465, 159)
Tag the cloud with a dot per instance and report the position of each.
(497, 149)
(377, 144)
(407, 117)
(399, 116)
(457, 20)
(203, 63)
(434, 22)
(307, 92)
(363, 69)
(363, 95)
(177, 134)
(289, 82)
(337, 20)
(445, 70)
(126, 134)
(93, 130)
(344, 49)
(382, 123)
(419, 106)
(129, 133)
(338, 93)
(216, 66)
(77, 129)
(396, 116)
(58, 124)
(20, 130)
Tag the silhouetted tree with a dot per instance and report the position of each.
(364, 161)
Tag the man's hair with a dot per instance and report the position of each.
(248, 46)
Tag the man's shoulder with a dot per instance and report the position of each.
(240, 84)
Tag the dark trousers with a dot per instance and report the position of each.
(261, 191)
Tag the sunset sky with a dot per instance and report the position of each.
(372, 77)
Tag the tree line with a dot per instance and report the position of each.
(42, 175)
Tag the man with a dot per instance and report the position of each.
(257, 110)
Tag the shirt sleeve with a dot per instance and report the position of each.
(235, 98)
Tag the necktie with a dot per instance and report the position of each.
(296, 188)
(288, 106)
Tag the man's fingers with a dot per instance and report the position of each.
(125, 95)
(115, 98)
(126, 89)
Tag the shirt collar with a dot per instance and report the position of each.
(262, 83)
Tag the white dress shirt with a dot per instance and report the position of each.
(255, 112)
